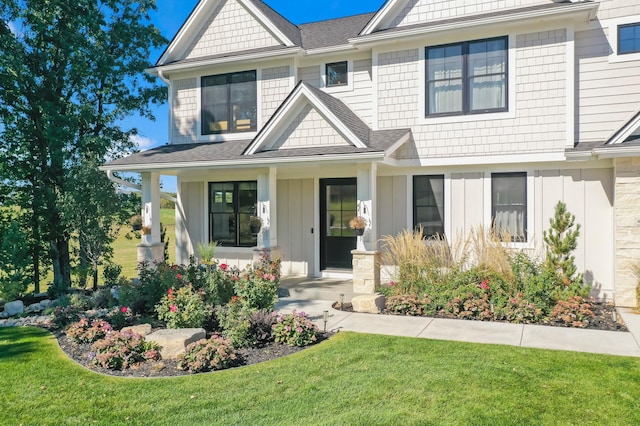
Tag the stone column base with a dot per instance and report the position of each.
(151, 253)
(366, 271)
(273, 253)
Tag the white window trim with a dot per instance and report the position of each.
(336, 89)
(612, 25)
(221, 137)
(529, 244)
(465, 118)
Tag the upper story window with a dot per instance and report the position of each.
(337, 74)
(229, 103)
(628, 38)
(467, 78)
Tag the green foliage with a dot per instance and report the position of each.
(84, 331)
(102, 298)
(561, 239)
(574, 311)
(407, 304)
(259, 332)
(294, 329)
(119, 351)
(208, 355)
(206, 252)
(258, 286)
(218, 283)
(62, 316)
(183, 308)
(80, 301)
(233, 318)
(111, 274)
(152, 287)
(15, 263)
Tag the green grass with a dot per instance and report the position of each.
(352, 379)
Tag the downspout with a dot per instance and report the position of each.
(122, 182)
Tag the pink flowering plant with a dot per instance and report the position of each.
(85, 331)
(183, 308)
(208, 355)
(574, 311)
(294, 329)
(258, 286)
(119, 351)
(408, 304)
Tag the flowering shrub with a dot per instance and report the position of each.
(217, 282)
(120, 317)
(233, 319)
(471, 306)
(85, 332)
(575, 311)
(258, 286)
(154, 283)
(294, 329)
(182, 308)
(62, 316)
(407, 304)
(208, 355)
(119, 351)
(519, 310)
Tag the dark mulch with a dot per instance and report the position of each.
(169, 368)
(602, 320)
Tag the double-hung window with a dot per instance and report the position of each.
(231, 205)
(509, 205)
(229, 103)
(467, 78)
(428, 204)
(628, 38)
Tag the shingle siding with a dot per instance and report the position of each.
(309, 128)
(276, 85)
(230, 28)
(183, 127)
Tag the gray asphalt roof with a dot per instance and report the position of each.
(334, 32)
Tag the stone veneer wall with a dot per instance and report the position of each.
(366, 271)
(627, 231)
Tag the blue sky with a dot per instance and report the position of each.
(171, 15)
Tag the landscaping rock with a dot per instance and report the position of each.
(34, 307)
(45, 303)
(368, 303)
(14, 308)
(97, 313)
(142, 329)
(175, 341)
(4, 315)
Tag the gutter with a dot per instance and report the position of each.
(122, 182)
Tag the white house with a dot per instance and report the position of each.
(445, 113)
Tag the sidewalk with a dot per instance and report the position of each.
(524, 335)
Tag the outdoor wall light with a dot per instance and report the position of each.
(325, 317)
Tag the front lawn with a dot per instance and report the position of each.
(350, 379)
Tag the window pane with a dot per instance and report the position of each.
(214, 109)
(445, 96)
(247, 238)
(337, 74)
(487, 92)
(429, 204)
(445, 62)
(509, 204)
(629, 38)
(247, 198)
(231, 206)
(223, 229)
(229, 103)
(221, 197)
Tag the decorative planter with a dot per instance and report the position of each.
(136, 227)
(254, 228)
(359, 232)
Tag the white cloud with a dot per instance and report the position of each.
(143, 142)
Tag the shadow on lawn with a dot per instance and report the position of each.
(17, 341)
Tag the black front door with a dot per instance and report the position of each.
(338, 205)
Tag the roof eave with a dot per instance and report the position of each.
(617, 152)
(573, 9)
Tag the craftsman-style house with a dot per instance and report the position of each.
(442, 113)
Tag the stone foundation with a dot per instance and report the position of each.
(366, 271)
(151, 253)
(627, 231)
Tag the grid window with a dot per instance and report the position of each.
(231, 205)
(428, 204)
(509, 205)
(229, 103)
(629, 38)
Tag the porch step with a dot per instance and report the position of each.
(317, 289)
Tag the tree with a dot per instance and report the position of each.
(15, 262)
(561, 239)
(70, 72)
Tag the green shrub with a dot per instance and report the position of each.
(408, 304)
(233, 319)
(294, 329)
(15, 262)
(80, 301)
(120, 317)
(119, 351)
(208, 355)
(111, 274)
(519, 310)
(153, 285)
(258, 286)
(62, 316)
(217, 283)
(183, 308)
(259, 331)
(85, 332)
(103, 298)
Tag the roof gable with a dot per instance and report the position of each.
(306, 111)
(218, 27)
(629, 132)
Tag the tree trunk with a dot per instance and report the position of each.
(84, 262)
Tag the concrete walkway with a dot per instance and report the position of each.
(524, 335)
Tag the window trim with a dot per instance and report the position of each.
(340, 88)
(466, 111)
(528, 220)
(618, 48)
(222, 133)
(236, 213)
(444, 202)
(326, 73)
(612, 37)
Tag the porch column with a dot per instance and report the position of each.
(151, 249)
(266, 210)
(366, 263)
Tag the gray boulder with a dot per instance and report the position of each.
(14, 308)
(175, 341)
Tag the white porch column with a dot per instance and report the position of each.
(151, 248)
(267, 210)
(367, 179)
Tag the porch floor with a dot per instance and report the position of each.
(310, 288)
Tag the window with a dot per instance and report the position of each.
(231, 205)
(628, 38)
(428, 204)
(337, 74)
(467, 78)
(509, 204)
(229, 103)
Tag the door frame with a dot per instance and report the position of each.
(322, 217)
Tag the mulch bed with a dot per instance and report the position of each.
(169, 368)
(602, 320)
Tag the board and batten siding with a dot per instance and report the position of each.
(189, 220)
(295, 223)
